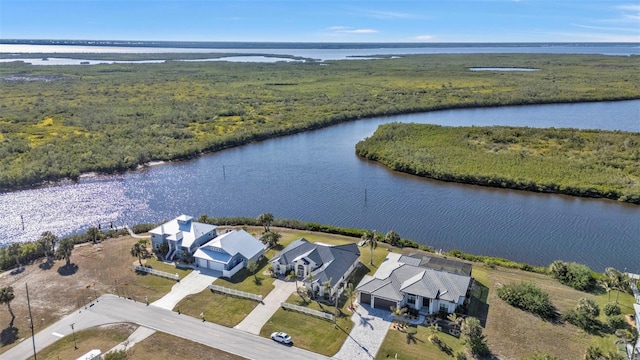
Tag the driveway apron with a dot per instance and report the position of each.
(369, 330)
(253, 322)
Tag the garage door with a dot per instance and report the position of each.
(365, 298)
(202, 263)
(384, 304)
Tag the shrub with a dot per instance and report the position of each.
(578, 276)
(611, 310)
(528, 297)
(615, 323)
(584, 315)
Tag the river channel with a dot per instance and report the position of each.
(316, 176)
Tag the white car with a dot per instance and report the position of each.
(281, 337)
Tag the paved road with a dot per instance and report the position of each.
(256, 319)
(112, 309)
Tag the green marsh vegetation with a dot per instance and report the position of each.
(61, 121)
(590, 163)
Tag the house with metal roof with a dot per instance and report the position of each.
(401, 281)
(229, 252)
(182, 235)
(318, 264)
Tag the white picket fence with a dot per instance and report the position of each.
(317, 313)
(225, 290)
(151, 271)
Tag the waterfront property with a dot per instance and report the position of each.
(229, 252)
(182, 235)
(318, 265)
(408, 281)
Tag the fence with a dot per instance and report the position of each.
(225, 290)
(317, 313)
(151, 271)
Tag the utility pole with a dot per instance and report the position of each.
(33, 336)
(75, 346)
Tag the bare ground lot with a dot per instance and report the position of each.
(54, 291)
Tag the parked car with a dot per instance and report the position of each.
(281, 337)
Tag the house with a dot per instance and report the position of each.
(317, 264)
(229, 252)
(182, 235)
(401, 281)
(633, 351)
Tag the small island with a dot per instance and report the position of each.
(591, 163)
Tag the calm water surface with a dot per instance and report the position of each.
(316, 176)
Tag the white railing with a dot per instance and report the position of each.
(151, 271)
(225, 290)
(305, 310)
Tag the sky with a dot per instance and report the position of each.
(324, 20)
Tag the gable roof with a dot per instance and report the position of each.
(183, 230)
(416, 280)
(225, 246)
(333, 261)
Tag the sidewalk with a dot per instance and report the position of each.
(137, 336)
(253, 322)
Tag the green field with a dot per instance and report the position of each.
(61, 121)
(568, 161)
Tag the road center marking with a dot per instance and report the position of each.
(214, 334)
(57, 335)
(169, 321)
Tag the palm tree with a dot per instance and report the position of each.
(619, 280)
(6, 296)
(64, 250)
(349, 291)
(607, 286)
(270, 238)
(93, 233)
(265, 220)
(139, 250)
(368, 236)
(326, 288)
(252, 266)
(48, 242)
(292, 275)
(309, 279)
(392, 238)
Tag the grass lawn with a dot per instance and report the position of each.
(103, 338)
(164, 346)
(418, 346)
(507, 327)
(310, 332)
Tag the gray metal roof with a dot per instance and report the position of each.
(416, 280)
(333, 261)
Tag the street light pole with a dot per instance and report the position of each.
(74, 337)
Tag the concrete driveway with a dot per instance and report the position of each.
(197, 281)
(253, 322)
(368, 333)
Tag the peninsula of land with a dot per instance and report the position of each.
(592, 163)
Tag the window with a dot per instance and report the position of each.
(444, 307)
(411, 299)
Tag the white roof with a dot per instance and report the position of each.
(183, 228)
(233, 242)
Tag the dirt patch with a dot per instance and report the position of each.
(56, 290)
(32, 78)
